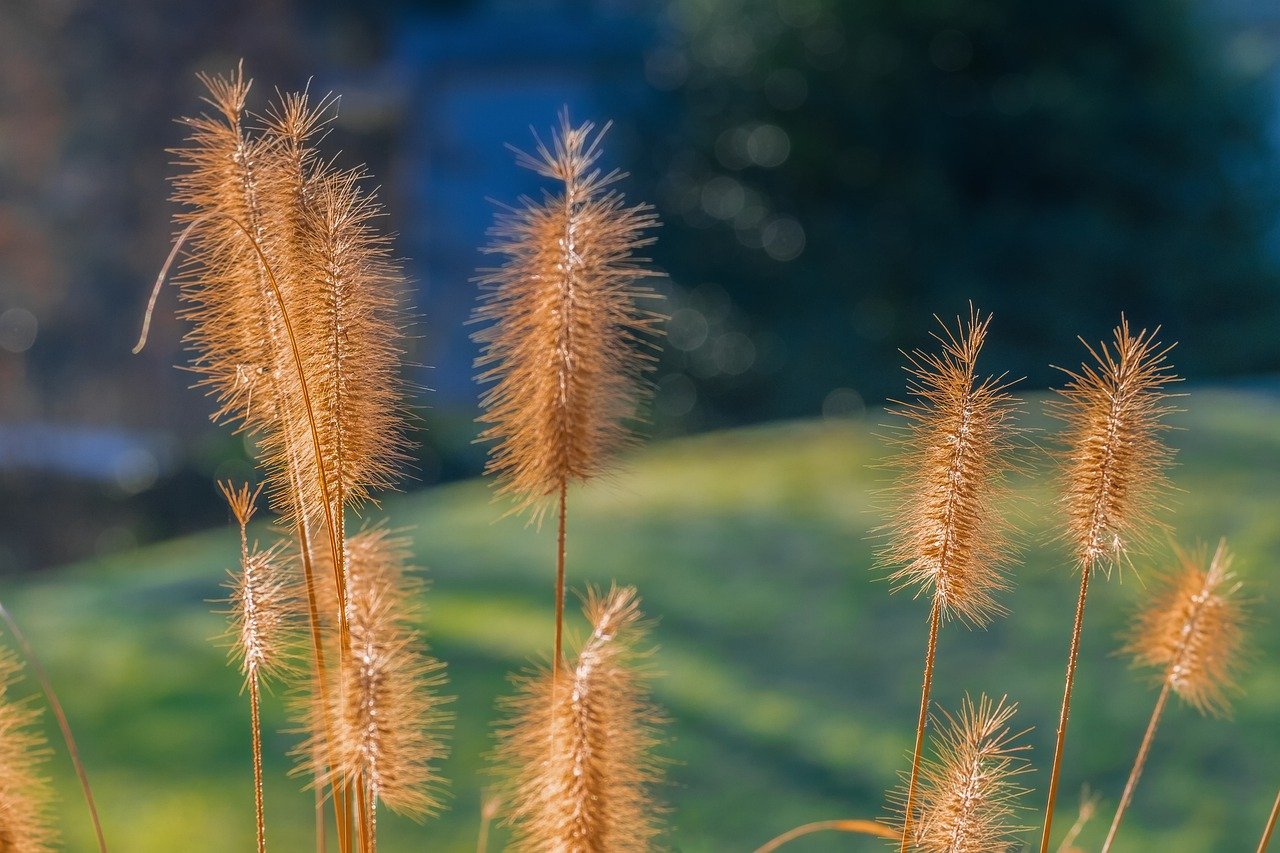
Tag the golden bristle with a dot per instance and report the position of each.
(564, 336)
(25, 823)
(577, 754)
(1115, 461)
(388, 715)
(945, 532)
(969, 792)
(1192, 630)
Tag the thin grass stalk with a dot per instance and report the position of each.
(46, 686)
(935, 615)
(1271, 825)
(1138, 764)
(1072, 658)
(255, 721)
(861, 827)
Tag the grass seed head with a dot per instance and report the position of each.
(577, 754)
(946, 535)
(1192, 630)
(565, 341)
(1115, 461)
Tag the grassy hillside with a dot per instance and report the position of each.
(791, 674)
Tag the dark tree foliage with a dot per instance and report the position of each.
(845, 169)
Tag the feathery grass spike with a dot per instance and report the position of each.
(25, 824)
(1192, 633)
(945, 533)
(969, 793)
(1114, 476)
(389, 714)
(579, 770)
(565, 341)
(563, 329)
(261, 603)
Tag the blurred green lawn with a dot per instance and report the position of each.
(790, 672)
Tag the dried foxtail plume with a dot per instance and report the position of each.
(1193, 629)
(387, 711)
(945, 533)
(969, 796)
(260, 625)
(564, 336)
(577, 753)
(262, 600)
(563, 331)
(1115, 461)
(1113, 469)
(25, 823)
(1191, 632)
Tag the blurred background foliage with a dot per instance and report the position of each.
(829, 173)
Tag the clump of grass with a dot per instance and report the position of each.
(1192, 633)
(293, 299)
(576, 755)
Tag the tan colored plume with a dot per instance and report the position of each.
(969, 792)
(945, 533)
(1192, 630)
(564, 335)
(293, 300)
(25, 823)
(577, 755)
(1115, 461)
(389, 715)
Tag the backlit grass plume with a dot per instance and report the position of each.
(969, 792)
(577, 754)
(390, 717)
(946, 536)
(1113, 472)
(261, 606)
(1191, 633)
(564, 335)
(25, 824)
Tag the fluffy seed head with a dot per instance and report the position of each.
(387, 712)
(25, 824)
(564, 339)
(293, 300)
(1114, 461)
(969, 792)
(1192, 630)
(945, 534)
(576, 756)
(262, 597)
